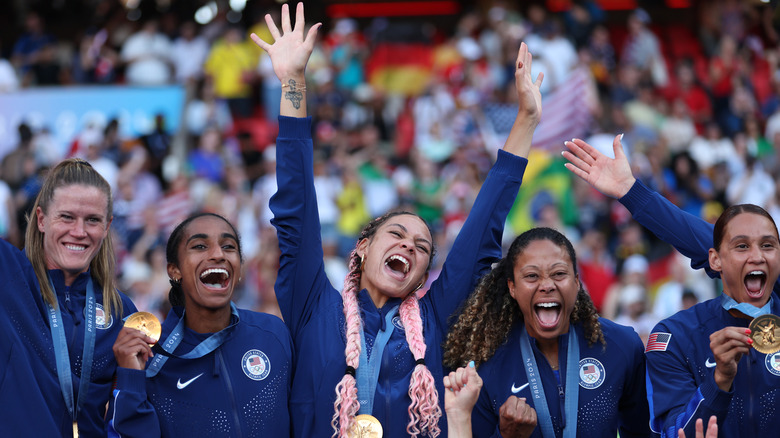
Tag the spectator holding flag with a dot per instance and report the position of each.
(700, 361)
(219, 370)
(550, 366)
(375, 348)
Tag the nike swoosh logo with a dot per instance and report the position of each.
(709, 364)
(184, 385)
(515, 390)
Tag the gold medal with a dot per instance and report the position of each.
(366, 426)
(146, 323)
(765, 332)
(75, 430)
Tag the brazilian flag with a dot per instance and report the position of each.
(546, 177)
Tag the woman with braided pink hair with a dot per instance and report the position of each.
(370, 356)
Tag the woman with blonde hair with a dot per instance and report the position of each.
(60, 311)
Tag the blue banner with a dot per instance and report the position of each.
(65, 111)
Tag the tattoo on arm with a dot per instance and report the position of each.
(293, 95)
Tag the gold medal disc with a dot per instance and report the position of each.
(146, 323)
(765, 332)
(366, 426)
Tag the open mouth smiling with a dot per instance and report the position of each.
(215, 278)
(398, 265)
(548, 314)
(754, 283)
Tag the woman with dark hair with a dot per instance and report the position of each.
(550, 366)
(375, 347)
(60, 310)
(218, 370)
(699, 361)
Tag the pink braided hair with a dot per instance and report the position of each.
(424, 411)
(346, 405)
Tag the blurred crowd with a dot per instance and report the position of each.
(699, 107)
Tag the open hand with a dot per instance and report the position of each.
(612, 177)
(528, 95)
(290, 51)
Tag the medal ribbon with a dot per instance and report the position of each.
(368, 370)
(177, 334)
(748, 309)
(572, 389)
(61, 350)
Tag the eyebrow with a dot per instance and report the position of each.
(744, 237)
(421, 239)
(205, 236)
(553, 266)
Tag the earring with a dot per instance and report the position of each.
(362, 262)
(175, 282)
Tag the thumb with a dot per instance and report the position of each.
(617, 147)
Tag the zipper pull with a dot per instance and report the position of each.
(561, 399)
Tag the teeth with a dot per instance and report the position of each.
(756, 273)
(75, 247)
(547, 305)
(401, 259)
(215, 271)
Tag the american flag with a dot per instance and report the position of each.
(589, 369)
(658, 341)
(255, 361)
(567, 112)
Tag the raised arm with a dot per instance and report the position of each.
(478, 244)
(301, 274)
(689, 234)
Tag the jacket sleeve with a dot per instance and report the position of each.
(484, 421)
(676, 400)
(301, 277)
(690, 235)
(478, 244)
(130, 414)
(634, 416)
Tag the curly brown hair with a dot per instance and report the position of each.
(490, 311)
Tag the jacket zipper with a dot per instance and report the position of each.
(229, 386)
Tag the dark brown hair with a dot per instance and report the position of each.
(490, 311)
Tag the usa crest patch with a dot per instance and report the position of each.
(256, 365)
(772, 362)
(103, 320)
(592, 373)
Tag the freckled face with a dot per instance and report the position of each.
(748, 259)
(397, 256)
(209, 263)
(545, 287)
(74, 226)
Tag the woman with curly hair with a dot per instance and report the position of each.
(551, 367)
(374, 348)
